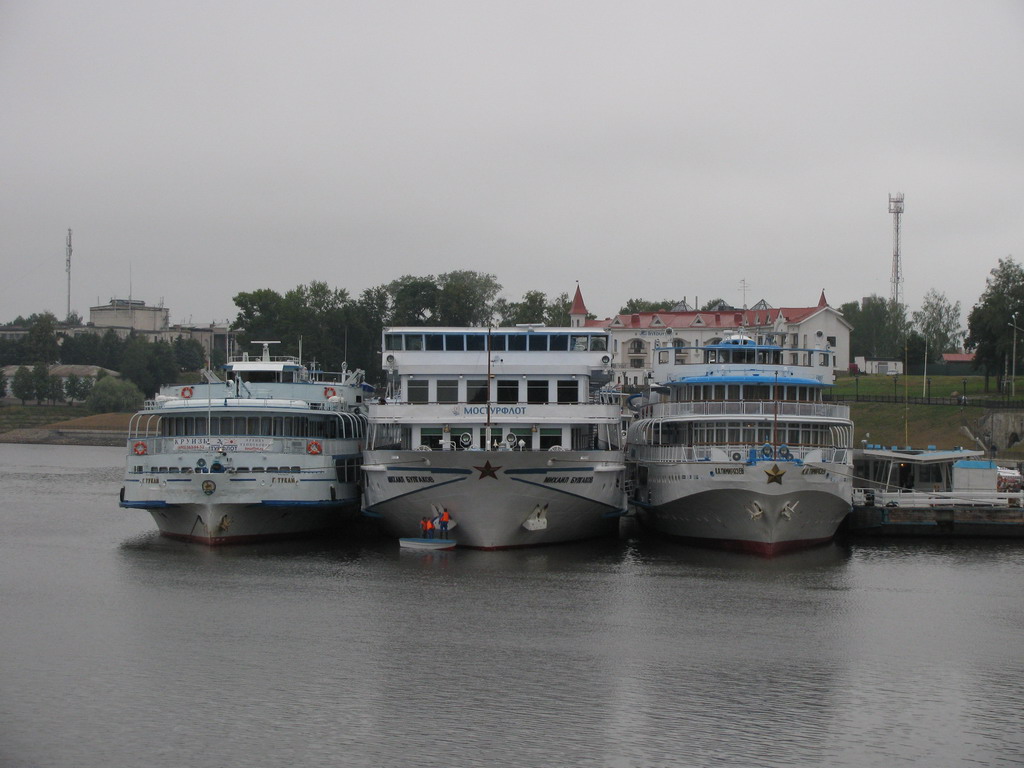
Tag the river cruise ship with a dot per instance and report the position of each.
(502, 428)
(736, 447)
(271, 451)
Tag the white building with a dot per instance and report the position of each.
(637, 339)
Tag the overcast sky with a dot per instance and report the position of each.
(645, 149)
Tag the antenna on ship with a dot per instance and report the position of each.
(68, 267)
(896, 209)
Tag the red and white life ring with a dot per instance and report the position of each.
(329, 392)
(186, 392)
(313, 448)
(139, 449)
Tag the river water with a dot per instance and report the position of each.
(121, 648)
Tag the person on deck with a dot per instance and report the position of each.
(428, 528)
(442, 523)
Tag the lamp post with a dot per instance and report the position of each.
(1013, 374)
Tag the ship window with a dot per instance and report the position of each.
(414, 341)
(663, 356)
(448, 391)
(579, 344)
(517, 343)
(550, 437)
(499, 342)
(508, 390)
(558, 342)
(417, 391)
(538, 342)
(455, 342)
(599, 343)
(476, 391)
(537, 391)
(733, 392)
(432, 436)
(393, 341)
(435, 342)
(568, 391)
(476, 342)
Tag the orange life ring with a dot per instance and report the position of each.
(313, 448)
(329, 392)
(139, 449)
(186, 392)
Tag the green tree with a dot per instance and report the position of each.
(879, 327)
(24, 386)
(3, 384)
(81, 349)
(189, 354)
(466, 298)
(414, 300)
(715, 305)
(938, 322)
(113, 395)
(633, 306)
(557, 312)
(112, 349)
(71, 387)
(259, 315)
(56, 389)
(530, 309)
(40, 382)
(149, 364)
(41, 340)
(989, 332)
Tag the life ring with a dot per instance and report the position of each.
(313, 448)
(329, 392)
(766, 451)
(186, 392)
(784, 452)
(139, 449)
(736, 455)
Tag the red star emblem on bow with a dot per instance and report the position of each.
(487, 471)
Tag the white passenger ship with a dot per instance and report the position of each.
(272, 451)
(502, 428)
(737, 448)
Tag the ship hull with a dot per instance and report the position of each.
(498, 499)
(222, 524)
(234, 508)
(744, 512)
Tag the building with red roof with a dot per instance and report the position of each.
(637, 339)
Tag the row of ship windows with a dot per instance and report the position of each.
(506, 391)
(333, 426)
(496, 342)
(726, 433)
(347, 470)
(751, 392)
(746, 356)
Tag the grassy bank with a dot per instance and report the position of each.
(39, 416)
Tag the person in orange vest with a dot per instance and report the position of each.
(442, 522)
(428, 528)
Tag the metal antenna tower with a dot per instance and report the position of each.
(68, 267)
(896, 209)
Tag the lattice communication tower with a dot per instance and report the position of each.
(896, 209)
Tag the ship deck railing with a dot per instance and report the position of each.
(767, 408)
(683, 454)
(235, 445)
(905, 498)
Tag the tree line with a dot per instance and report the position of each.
(332, 329)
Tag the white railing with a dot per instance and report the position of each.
(680, 454)
(236, 446)
(917, 499)
(745, 408)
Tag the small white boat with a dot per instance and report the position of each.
(426, 544)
